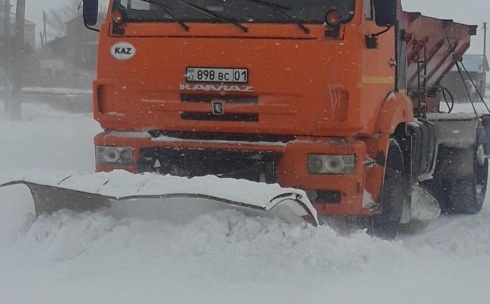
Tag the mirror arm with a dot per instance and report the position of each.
(91, 28)
(372, 39)
(382, 32)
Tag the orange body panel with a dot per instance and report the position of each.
(292, 99)
(329, 94)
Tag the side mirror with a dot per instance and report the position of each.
(90, 12)
(385, 12)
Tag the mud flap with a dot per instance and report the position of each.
(83, 192)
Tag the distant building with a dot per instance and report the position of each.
(477, 67)
(81, 44)
(52, 64)
(29, 31)
(69, 61)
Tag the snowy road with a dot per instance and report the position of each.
(188, 253)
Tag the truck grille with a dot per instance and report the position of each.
(226, 99)
(206, 98)
(250, 165)
(224, 136)
(208, 116)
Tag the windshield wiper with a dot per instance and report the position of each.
(215, 15)
(166, 9)
(280, 9)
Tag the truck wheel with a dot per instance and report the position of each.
(393, 196)
(467, 196)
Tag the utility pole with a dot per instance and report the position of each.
(18, 60)
(485, 39)
(6, 58)
(45, 21)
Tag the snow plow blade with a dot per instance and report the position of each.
(53, 191)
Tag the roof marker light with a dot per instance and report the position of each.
(333, 18)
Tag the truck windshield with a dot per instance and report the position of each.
(243, 11)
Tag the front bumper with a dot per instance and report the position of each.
(337, 194)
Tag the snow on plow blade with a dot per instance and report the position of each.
(52, 191)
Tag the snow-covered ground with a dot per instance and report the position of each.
(54, 91)
(188, 252)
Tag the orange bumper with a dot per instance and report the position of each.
(291, 170)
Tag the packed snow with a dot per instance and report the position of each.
(183, 251)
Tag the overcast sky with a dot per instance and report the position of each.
(470, 12)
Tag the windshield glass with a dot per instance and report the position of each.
(244, 11)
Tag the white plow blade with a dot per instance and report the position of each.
(52, 191)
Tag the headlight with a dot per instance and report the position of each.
(331, 164)
(113, 155)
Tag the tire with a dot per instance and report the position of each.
(393, 196)
(468, 195)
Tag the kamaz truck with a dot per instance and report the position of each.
(340, 99)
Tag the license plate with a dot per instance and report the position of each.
(217, 75)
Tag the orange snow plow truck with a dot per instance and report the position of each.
(336, 98)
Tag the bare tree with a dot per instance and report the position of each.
(57, 18)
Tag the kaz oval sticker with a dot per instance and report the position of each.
(123, 51)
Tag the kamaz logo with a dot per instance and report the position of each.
(215, 88)
(218, 108)
(125, 51)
